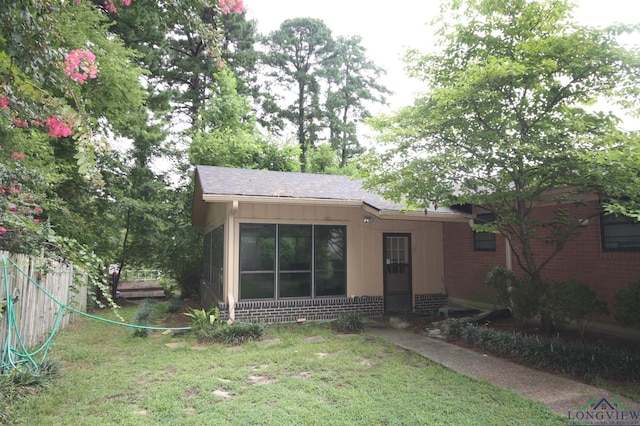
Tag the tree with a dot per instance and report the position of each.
(510, 121)
(353, 81)
(226, 133)
(297, 54)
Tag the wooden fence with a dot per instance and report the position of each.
(35, 312)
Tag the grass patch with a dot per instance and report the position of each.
(298, 374)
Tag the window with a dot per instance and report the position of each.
(213, 267)
(257, 261)
(620, 233)
(285, 261)
(484, 241)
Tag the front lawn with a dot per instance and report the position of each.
(299, 374)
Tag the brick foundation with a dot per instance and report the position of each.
(312, 309)
(424, 303)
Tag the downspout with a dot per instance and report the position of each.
(232, 280)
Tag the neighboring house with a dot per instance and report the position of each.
(605, 254)
(283, 246)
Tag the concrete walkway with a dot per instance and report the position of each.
(561, 395)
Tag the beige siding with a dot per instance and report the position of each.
(364, 242)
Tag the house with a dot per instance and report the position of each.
(604, 253)
(282, 246)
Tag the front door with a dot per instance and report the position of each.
(397, 273)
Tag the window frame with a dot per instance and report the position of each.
(618, 222)
(314, 271)
(482, 238)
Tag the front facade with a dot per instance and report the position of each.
(286, 246)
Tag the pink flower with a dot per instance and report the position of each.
(80, 65)
(3, 230)
(38, 209)
(4, 102)
(227, 6)
(13, 208)
(17, 156)
(110, 5)
(36, 221)
(18, 122)
(57, 128)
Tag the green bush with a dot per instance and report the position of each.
(627, 303)
(201, 319)
(236, 333)
(349, 323)
(570, 300)
(577, 360)
(515, 292)
(144, 316)
(173, 305)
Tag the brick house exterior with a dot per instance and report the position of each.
(584, 258)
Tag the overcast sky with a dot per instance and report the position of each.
(388, 28)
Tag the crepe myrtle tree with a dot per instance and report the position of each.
(514, 118)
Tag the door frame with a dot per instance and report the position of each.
(409, 306)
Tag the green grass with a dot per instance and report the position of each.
(109, 378)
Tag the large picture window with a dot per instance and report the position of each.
(620, 233)
(292, 261)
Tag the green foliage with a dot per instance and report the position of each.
(515, 292)
(22, 382)
(573, 301)
(627, 305)
(573, 359)
(234, 334)
(509, 118)
(201, 319)
(349, 323)
(144, 316)
(173, 305)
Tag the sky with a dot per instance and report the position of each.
(388, 28)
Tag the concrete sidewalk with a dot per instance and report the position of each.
(561, 395)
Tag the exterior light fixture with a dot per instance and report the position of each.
(368, 220)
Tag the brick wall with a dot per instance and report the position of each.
(312, 309)
(466, 269)
(423, 303)
(581, 259)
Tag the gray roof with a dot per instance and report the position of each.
(265, 183)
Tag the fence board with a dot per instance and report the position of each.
(35, 311)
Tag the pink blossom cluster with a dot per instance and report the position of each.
(17, 156)
(80, 64)
(228, 6)
(4, 102)
(57, 127)
(19, 122)
(110, 5)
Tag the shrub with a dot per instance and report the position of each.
(349, 323)
(235, 333)
(627, 302)
(173, 305)
(144, 316)
(515, 292)
(201, 319)
(573, 301)
(574, 359)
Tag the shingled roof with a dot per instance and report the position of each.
(265, 183)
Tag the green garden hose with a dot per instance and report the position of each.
(14, 352)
